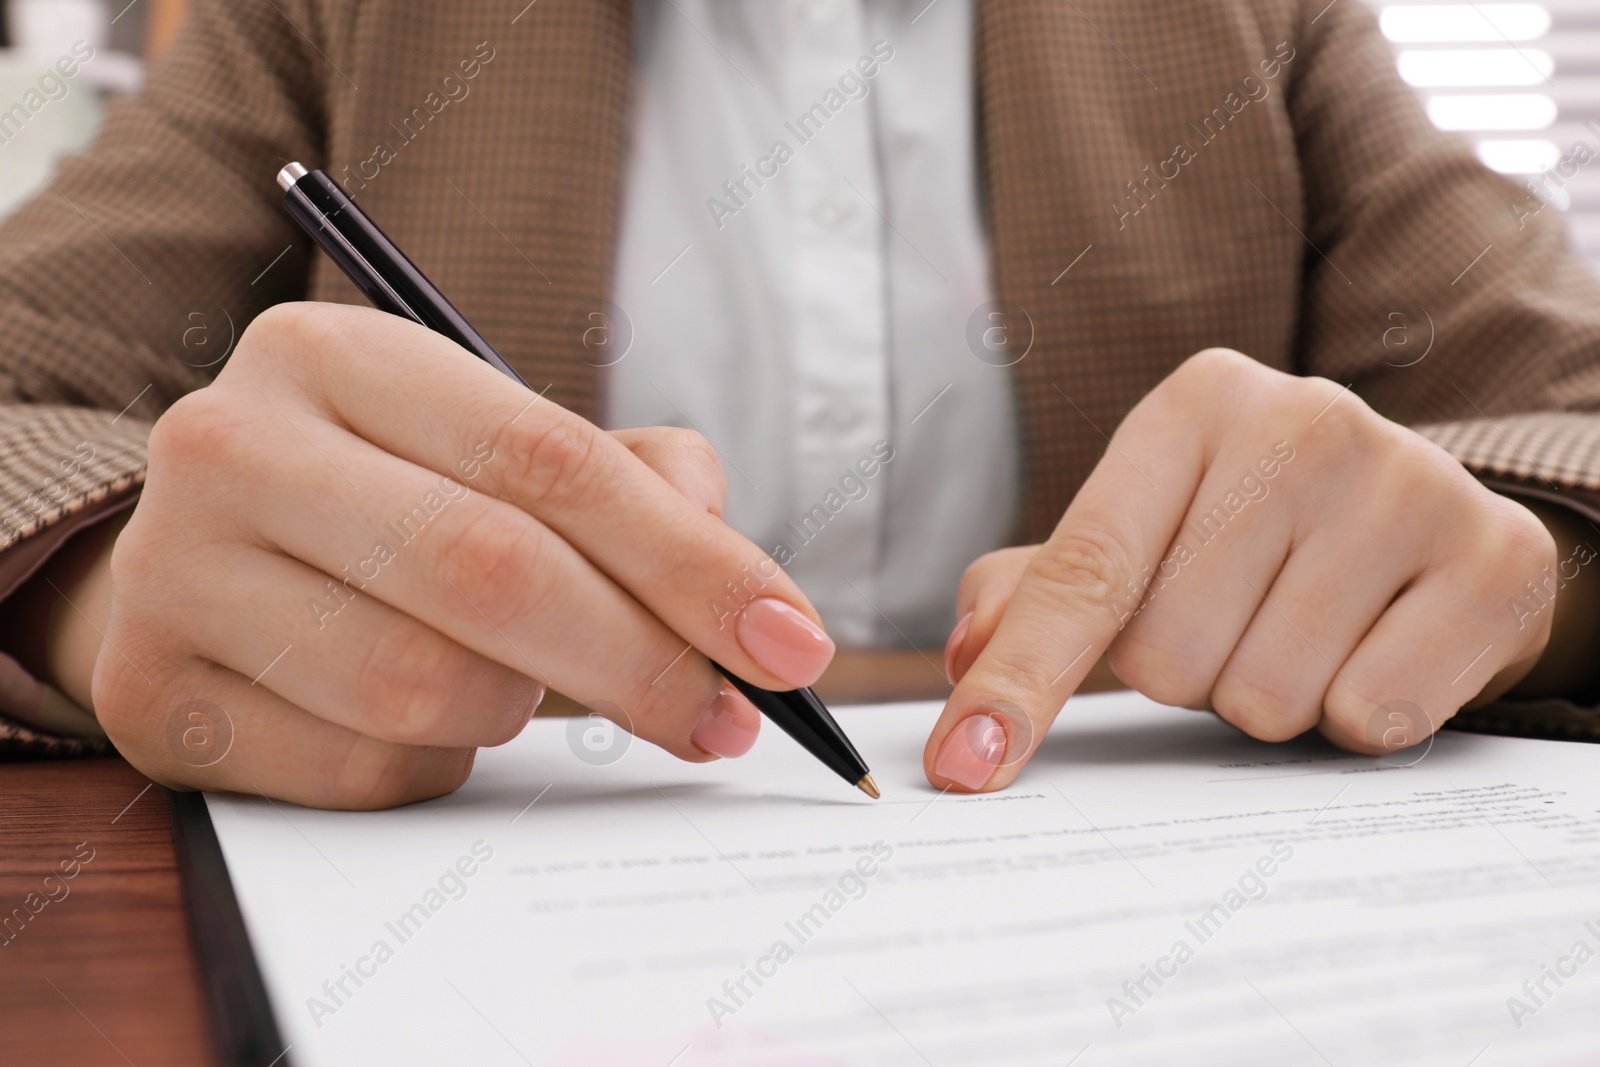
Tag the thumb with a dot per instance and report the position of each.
(986, 589)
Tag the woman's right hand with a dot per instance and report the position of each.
(362, 553)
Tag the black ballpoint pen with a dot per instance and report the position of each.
(393, 284)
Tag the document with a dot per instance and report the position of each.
(1155, 888)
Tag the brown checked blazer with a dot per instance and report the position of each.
(1247, 173)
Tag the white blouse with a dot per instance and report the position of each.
(801, 254)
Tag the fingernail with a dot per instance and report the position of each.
(729, 726)
(972, 751)
(952, 647)
(784, 641)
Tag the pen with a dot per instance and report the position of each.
(393, 284)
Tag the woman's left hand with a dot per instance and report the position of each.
(1264, 546)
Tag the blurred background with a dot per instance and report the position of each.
(1522, 80)
(34, 36)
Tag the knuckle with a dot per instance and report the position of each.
(1344, 719)
(688, 462)
(690, 443)
(1151, 668)
(406, 686)
(703, 458)
(1258, 709)
(1525, 538)
(517, 698)
(1218, 360)
(1015, 679)
(1415, 473)
(121, 706)
(270, 328)
(1510, 548)
(1207, 378)
(202, 427)
(1335, 416)
(490, 557)
(1086, 564)
(134, 696)
(415, 687)
(295, 333)
(553, 462)
(653, 711)
(660, 695)
(375, 774)
(135, 554)
(664, 706)
(1209, 368)
(700, 453)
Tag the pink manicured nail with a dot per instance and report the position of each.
(784, 641)
(952, 647)
(729, 726)
(972, 751)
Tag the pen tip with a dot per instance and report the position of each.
(868, 786)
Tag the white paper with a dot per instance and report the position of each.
(1442, 912)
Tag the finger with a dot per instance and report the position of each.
(364, 666)
(696, 574)
(981, 600)
(1227, 630)
(1305, 626)
(1073, 597)
(1427, 656)
(684, 459)
(477, 570)
(1199, 599)
(216, 731)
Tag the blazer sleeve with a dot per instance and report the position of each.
(1444, 293)
(125, 281)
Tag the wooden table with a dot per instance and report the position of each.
(106, 974)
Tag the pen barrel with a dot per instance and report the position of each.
(377, 266)
(803, 717)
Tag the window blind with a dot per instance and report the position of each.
(1523, 81)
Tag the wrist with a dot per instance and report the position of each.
(53, 622)
(1568, 666)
